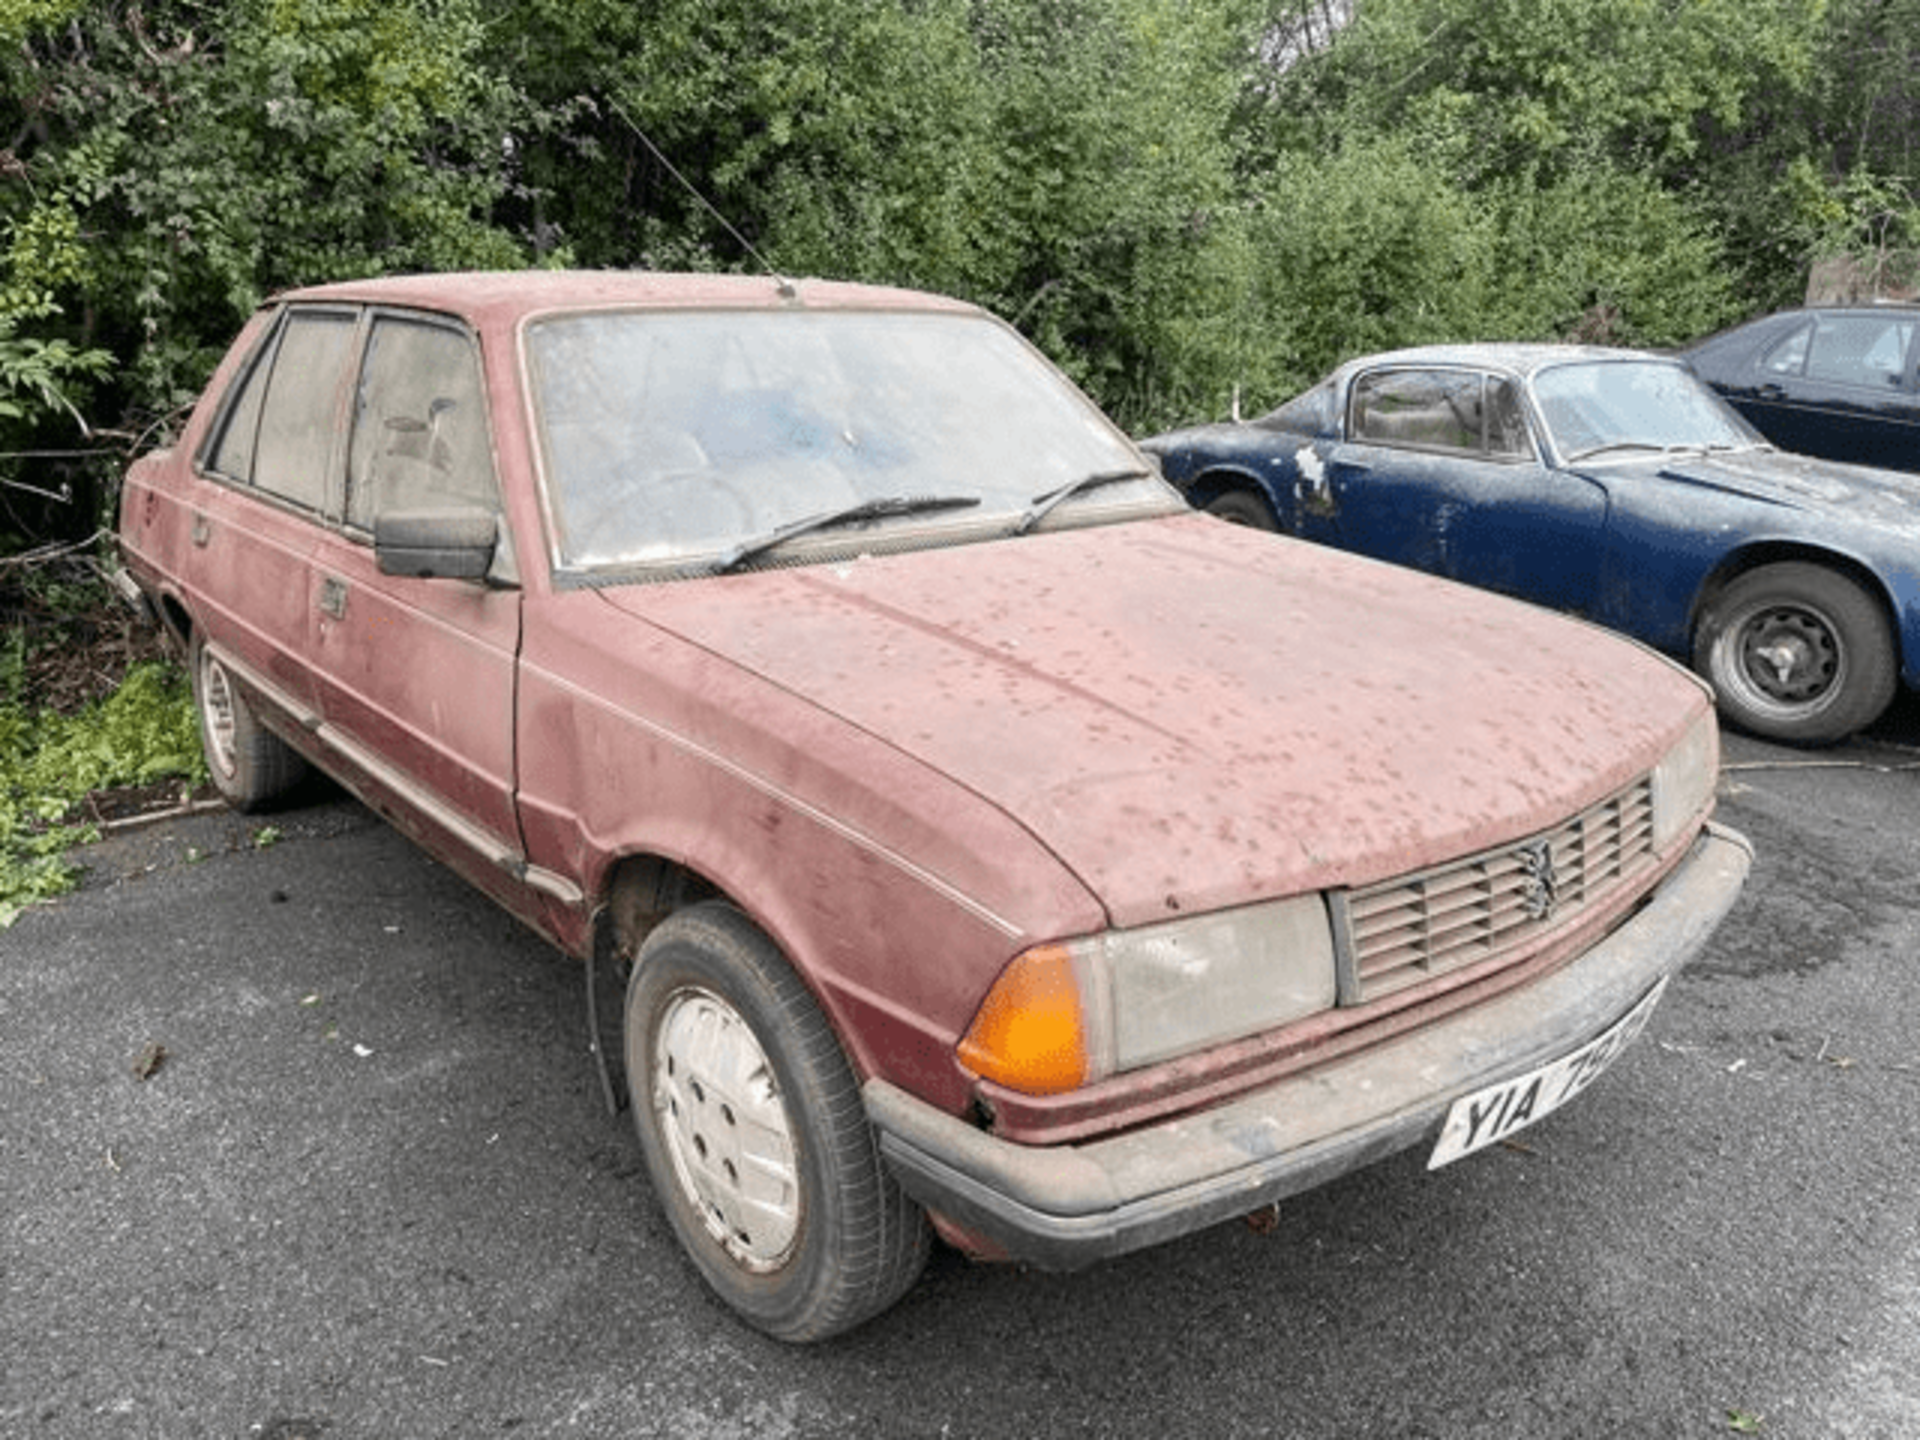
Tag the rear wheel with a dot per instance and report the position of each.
(754, 1134)
(248, 763)
(1243, 507)
(1797, 652)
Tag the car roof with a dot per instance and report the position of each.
(1853, 307)
(507, 295)
(1518, 358)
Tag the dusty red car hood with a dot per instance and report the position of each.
(1191, 715)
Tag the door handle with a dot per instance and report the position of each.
(333, 597)
(202, 530)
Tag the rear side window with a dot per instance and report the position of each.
(297, 414)
(233, 452)
(1507, 435)
(1788, 356)
(278, 434)
(1313, 413)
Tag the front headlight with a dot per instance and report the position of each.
(1683, 781)
(1067, 1015)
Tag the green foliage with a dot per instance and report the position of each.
(1869, 218)
(213, 154)
(21, 18)
(1058, 162)
(1582, 118)
(41, 379)
(145, 731)
(37, 377)
(1172, 197)
(1606, 255)
(1110, 235)
(1358, 251)
(1530, 83)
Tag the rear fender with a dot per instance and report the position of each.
(1898, 594)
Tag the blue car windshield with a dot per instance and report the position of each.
(676, 438)
(1634, 405)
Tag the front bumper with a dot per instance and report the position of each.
(1065, 1206)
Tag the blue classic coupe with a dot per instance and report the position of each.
(1608, 483)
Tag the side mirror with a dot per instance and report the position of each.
(436, 544)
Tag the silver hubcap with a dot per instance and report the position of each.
(720, 1115)
(216, 706)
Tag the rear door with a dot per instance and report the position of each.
(1440, 472)
(272, 458)
(417, 675)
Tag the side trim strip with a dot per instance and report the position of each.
(476, 838)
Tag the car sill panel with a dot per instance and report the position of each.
(429, 806)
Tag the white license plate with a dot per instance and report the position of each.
(1490, 1115)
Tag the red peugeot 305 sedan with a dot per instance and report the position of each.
(991, 846)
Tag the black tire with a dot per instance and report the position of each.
(1243, 507)
(248, 763)
(754, 1135)
(1797, 652)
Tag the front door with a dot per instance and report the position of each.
(417, 675)
(1440, 472)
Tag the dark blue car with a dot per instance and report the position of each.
(1835, 381)
(1607, 483)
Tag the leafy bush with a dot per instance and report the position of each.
(143, 732)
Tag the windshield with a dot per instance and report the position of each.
(1634, 405)
(677, 437)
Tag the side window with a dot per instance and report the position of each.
(1507, 437)
(1314, 413)
(1788, 356)
(1431, 409)
(420, 438)
(1865, 350)
(298, 406)
(232, 454)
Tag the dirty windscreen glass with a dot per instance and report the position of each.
(1628, 406)
(672, 437)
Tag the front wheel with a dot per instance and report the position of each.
(754, 1135)
(1797, 652)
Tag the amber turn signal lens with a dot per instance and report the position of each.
(1030, 1034)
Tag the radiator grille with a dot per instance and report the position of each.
(1502, 903)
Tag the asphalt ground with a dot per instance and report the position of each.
(367, 1187)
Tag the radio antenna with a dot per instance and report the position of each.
(786, 286)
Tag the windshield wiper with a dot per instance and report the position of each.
(1594, 450)
(885, 507)
(1040, 505)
